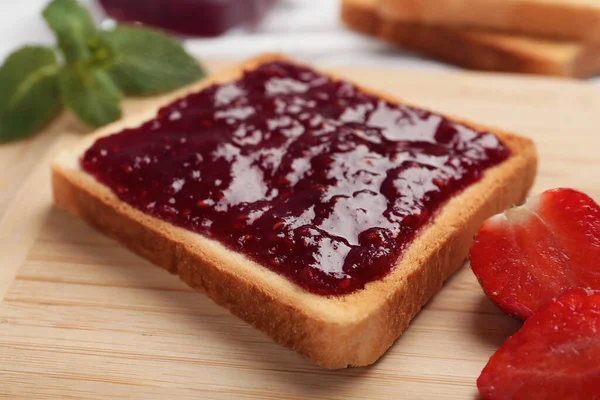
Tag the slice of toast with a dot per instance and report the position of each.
(556, 19)
(336, 331)
(479, 50)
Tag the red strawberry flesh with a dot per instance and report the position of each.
(555, 355)
(530, 254)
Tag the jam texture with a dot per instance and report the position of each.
(309, 176)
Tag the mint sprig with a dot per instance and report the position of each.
(88, 72)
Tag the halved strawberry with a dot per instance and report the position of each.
(555, 355)
(528, 255)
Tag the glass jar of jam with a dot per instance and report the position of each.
(189, 17)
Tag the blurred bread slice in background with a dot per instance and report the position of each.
(557, 19)
(361, 16)
(476, 49)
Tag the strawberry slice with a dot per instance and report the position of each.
(528, 255)
(555, 355)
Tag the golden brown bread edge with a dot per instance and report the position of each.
(475, 49)
(556, 19)
(333, 332)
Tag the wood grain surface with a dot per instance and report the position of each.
(83, 318)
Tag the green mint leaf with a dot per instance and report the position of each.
(74, 28)
(148, 61)
(90, 94)
(29, 95)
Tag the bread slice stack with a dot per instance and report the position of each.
(333, 331)
(547, 37)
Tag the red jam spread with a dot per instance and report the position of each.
(309, 176)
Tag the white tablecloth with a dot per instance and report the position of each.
(306, 29)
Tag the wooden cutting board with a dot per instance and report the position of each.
(83, 318)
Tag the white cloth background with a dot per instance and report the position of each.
(306, 29)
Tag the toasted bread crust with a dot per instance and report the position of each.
(558, 19)
(333, 332)
(479, 50)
